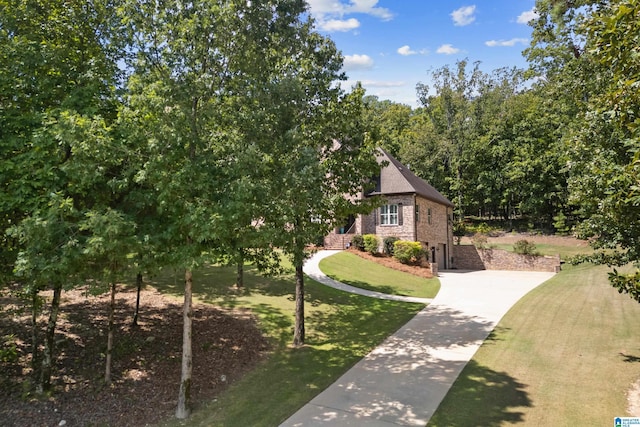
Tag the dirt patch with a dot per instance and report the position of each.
(510, 238)
(633, 400)
(146, 360)
(390, 262)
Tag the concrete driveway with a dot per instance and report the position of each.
(402, 381)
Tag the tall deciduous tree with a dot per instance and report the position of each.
(179, 73)
(320, 181)
(606, 162)
(58, 69)
(452, 110)
(232, 95)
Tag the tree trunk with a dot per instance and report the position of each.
(112, 309)
(35, 344)
(459, 178)
(49, 341)
(240, 274)
(137, 310)
(298, 332)
(184, 396)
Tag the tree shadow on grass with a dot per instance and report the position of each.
(629, 358)
(482, 397)
(216, 284)
(338, 336)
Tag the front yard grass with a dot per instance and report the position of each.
(341, 328)
(566, 354)
(353, 270)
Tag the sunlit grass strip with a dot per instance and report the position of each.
(353, 270)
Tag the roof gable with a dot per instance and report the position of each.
(396, 178)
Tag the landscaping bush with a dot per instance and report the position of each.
(479, 241)
(525, 247)
(357, 242)
(407, 252)
(387, 244)
(370, 243)
(482, 228)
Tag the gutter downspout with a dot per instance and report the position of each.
(415, 223)
(449, 238)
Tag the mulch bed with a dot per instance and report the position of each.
(421, 270)
(145, 361)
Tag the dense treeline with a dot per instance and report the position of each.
(490, 142)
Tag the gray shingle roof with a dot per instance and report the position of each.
(396, 178)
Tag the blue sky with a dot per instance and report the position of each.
(390, 45)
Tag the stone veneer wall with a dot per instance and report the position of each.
(468, 257)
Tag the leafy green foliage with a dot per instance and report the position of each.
(8, 349)
(407, 251)
(481, 227)
(371, 243)
(388, 244)
(480, 241)
(626, 283)
(357, 241)
(604, 150)
(525, 247)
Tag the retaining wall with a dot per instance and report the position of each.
(468, 257)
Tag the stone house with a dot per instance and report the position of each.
(411, 209)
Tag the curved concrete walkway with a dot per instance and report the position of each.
(402, 381)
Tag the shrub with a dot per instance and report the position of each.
(525, 247)
(406, 251)
(9, 349)
(482, 228)
(479, 241)
(357, 242)
(370, 243)
(387, 244)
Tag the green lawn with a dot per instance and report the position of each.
(564, 251)
(566, 354)
(353, 270)
(341, 328)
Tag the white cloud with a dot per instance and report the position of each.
(332, 9)
(406, 50)
(447, 49)
(368, 7)
(527, 16)
(509, 43)
(463, 16)
(357, 62)
(340, 25)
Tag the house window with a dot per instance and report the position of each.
(389, 215)
(417, 213)
(429, 215)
